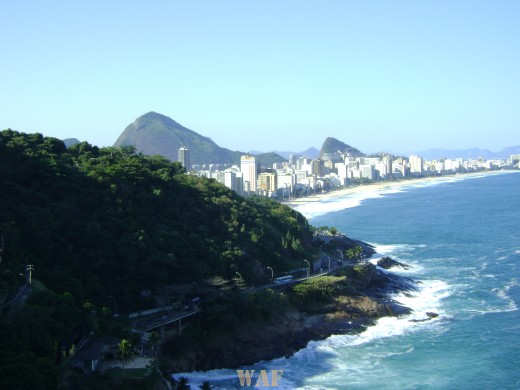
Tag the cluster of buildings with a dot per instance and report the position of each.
(302, 176)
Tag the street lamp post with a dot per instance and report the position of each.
(272, 273)
(240, 276)
(30, 269)
(328, 257)
(308, 269)
(341, 253)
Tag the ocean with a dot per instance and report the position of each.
(461, 236)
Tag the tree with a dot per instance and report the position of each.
(125, 353)
(205, 386)
(154, 341)
(355, 253)
(183, 383)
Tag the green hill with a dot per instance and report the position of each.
(332, 149)
(104, 224)
(154, 133)
(268, 159)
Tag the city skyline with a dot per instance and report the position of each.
(401, 78)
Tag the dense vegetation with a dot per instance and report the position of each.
(104, 224)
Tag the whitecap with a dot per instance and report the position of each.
(320, 207)
(315, 355)
(502, 293)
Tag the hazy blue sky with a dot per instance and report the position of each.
(397, 76)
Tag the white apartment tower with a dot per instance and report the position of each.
(184, 157)
(230, 179)
(416, 164)
(388, 163)
(248, 169)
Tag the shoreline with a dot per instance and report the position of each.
(359, 304)
(384, 185)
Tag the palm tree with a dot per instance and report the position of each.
(154, 341)
(205, 386)
(183, 383)
(125, 352)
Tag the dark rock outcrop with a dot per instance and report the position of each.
(387, 263)
(429, 316)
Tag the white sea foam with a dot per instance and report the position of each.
(196, 378)
(389, 191)
(427, 299)
(394, 249)
(342, 202)
(314, 209)
(503, 293)
(401, 253)
(315, 357)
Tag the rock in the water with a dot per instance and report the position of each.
(387, 263)
(429, 314)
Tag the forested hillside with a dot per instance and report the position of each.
(98, 223)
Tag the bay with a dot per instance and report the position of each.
(461, 237)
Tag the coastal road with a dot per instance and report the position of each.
(148, 324)
(333, 268)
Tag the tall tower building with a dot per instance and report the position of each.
(248, 169)
(184, 158)
(416, 164)
(317, 167)
(389, 169)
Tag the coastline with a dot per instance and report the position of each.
(350, 313)
(382, 186)
(362, 298)
(434, 286)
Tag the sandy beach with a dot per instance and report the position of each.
(382, 186)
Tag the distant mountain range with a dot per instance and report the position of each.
(331, 149)
(311, 153)
(154, 133)
(469, 153)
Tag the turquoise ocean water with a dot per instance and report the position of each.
(462, 237)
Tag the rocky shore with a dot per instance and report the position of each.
(350, 311)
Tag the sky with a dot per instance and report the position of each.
(395, 76)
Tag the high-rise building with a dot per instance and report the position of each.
(233, 180)
(416, 164)
(184, 157)
(267, 181)
(368, 171)
(248, 169)
(389, 169)
(317, 167)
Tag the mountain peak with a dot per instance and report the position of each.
(155, 116)
(332, 149)
(154, 133)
